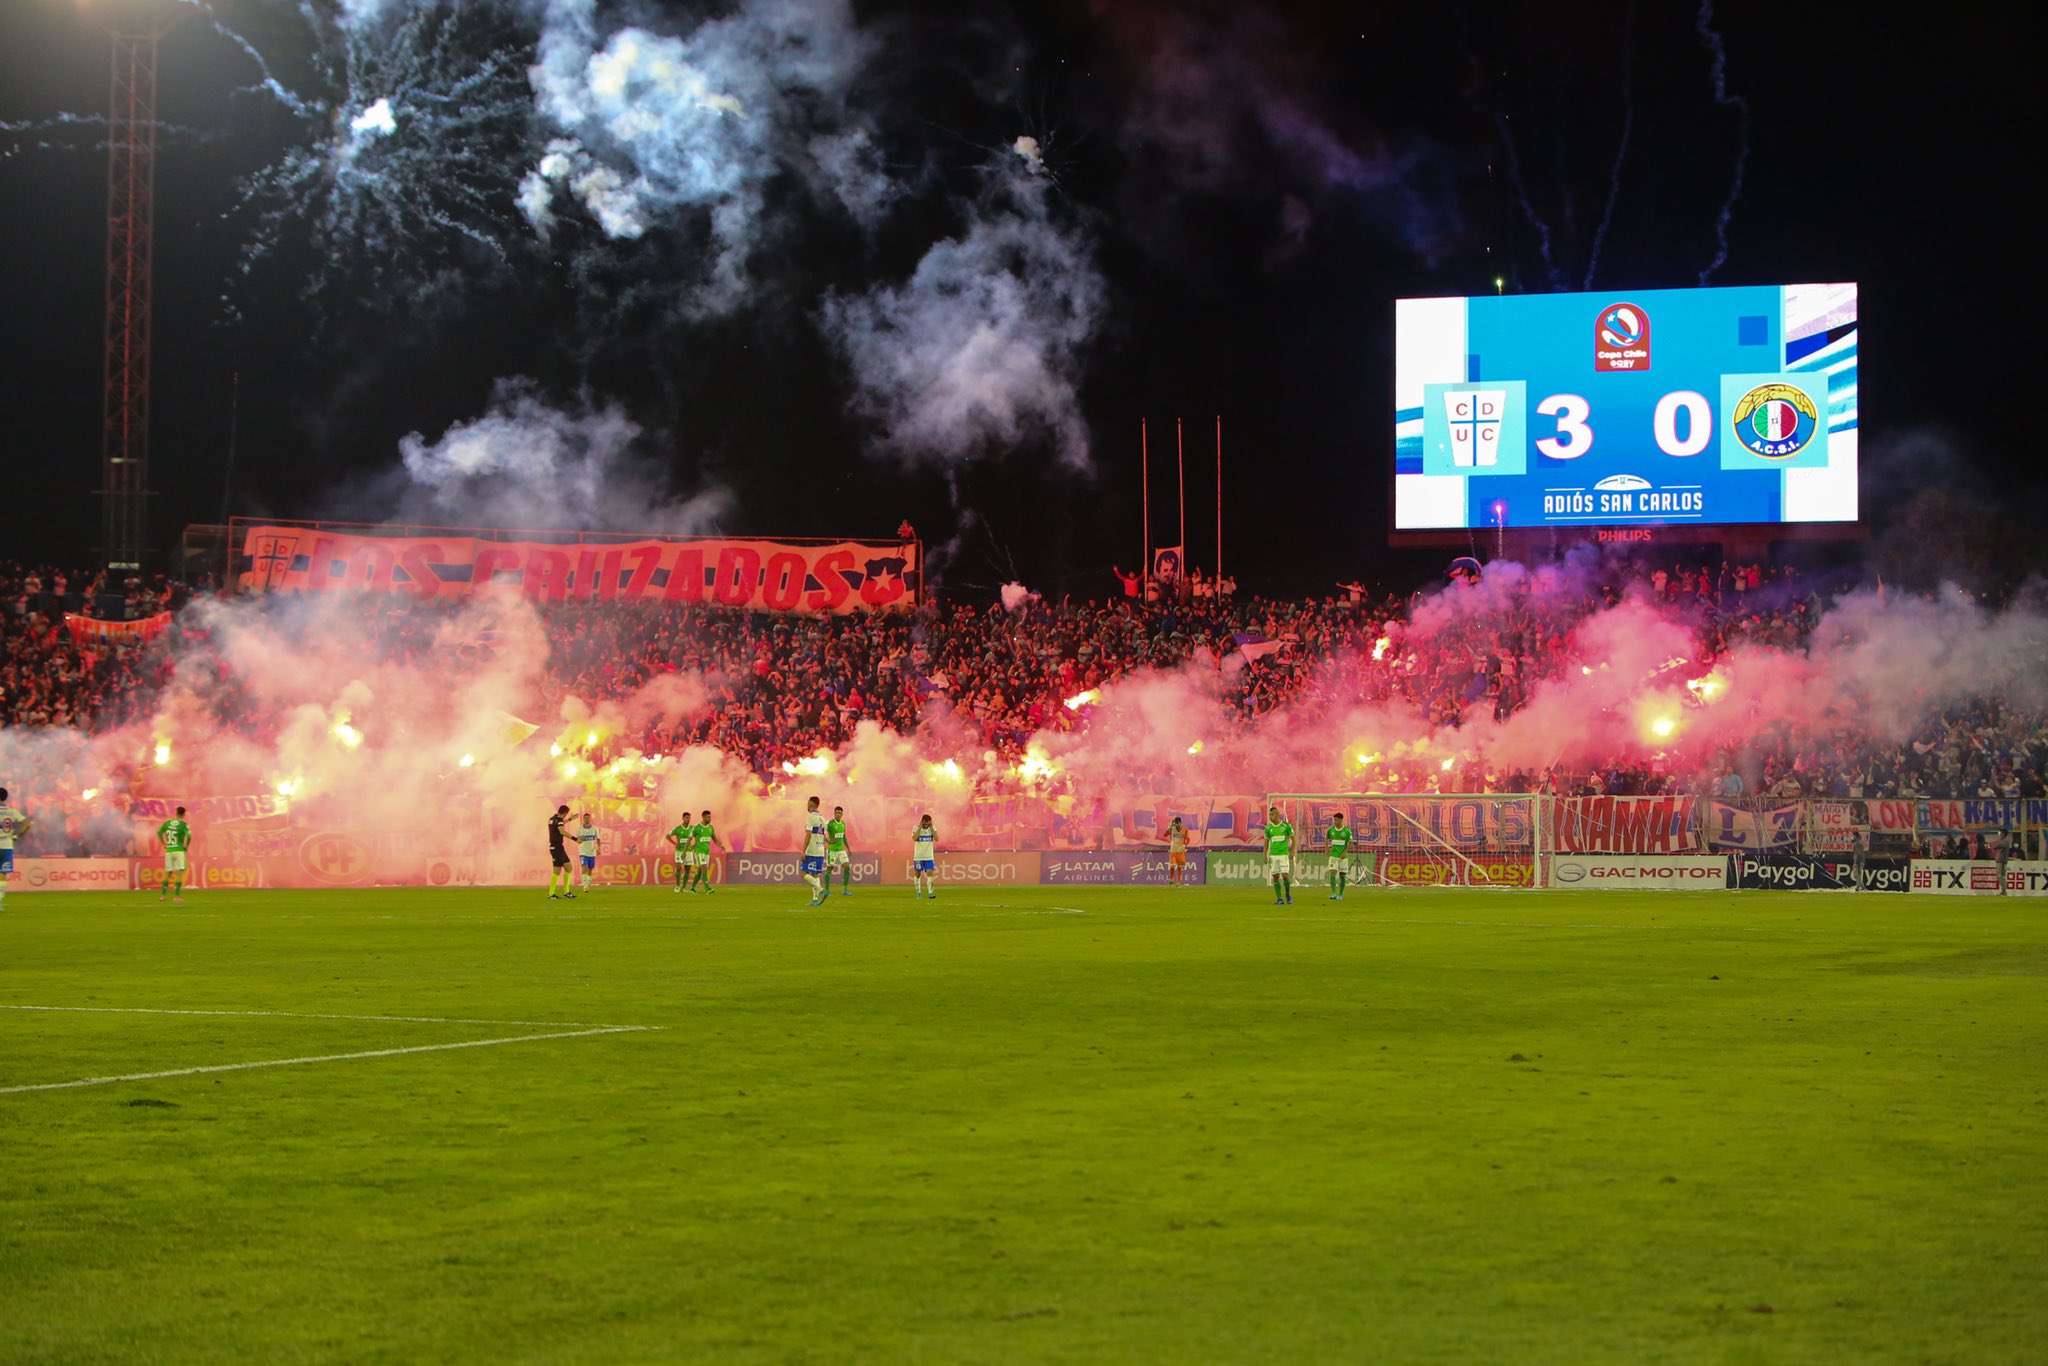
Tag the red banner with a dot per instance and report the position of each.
(1626, 825)
(93, 631)
(774, 576)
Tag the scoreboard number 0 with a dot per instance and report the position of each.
(1699, 423)
(1575, 435)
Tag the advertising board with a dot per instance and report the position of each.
(1117, 868)
(969, 869)
(1782, 873)
(785, 870)
(1879, 874)
(1622, 873)
(1310, 870)
(73, 874)
(1977, 877)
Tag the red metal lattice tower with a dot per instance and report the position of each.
(131, 213)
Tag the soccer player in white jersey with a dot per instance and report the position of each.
(924, 858)
(813, 864)
(586, 848)
(13, 825)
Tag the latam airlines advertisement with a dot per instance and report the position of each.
(1655, 407)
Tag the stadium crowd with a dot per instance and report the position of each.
(780, 687)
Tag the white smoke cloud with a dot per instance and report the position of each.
(529, 463)
(982, 348)
(693, 129)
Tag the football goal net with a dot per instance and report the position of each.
(1478, 840)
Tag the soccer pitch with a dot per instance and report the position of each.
(1023, 1124)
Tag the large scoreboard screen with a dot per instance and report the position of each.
(1655, 407)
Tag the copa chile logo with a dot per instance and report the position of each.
(1621, 340)
(1775, 421)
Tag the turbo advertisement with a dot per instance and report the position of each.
(1638, 408)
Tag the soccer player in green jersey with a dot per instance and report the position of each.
(1280, 857)
(685, 840)
(176, 838)
(706, 837)
(1340, 855)
(13, 825)
(836, 854)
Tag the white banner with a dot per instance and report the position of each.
(1834, 822)
(1612, 873)
(1976, 877)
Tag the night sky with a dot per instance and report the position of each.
(1230, 199)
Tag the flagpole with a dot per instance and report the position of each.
(1219, 503)
(1180, 485)
(1145, 464)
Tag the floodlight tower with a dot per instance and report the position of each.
(135, 26)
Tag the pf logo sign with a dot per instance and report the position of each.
(335, 860)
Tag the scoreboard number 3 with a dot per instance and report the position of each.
(1575, 434)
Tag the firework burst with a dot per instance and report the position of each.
(416, 119)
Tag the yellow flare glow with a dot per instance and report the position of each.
(1035, 766)
(1585, 669)
(347, 734)
(286, 786)
(467, 761)
(1082, 699)
(554, 751)
(1195, 748)
(1365, 760)
(89, 794)
(1661, 727)
(1704, 688)
(163, 754)
(1379, 647)
(590, 739)
(1446, 765)
(948, 772)
(568, 768)
(815, 764)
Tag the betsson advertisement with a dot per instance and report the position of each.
(1654, 407)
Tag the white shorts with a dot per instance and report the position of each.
(1279, 864)
(174, 861)
(836, 858)
(693, 859)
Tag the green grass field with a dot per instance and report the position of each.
(1024, 1125)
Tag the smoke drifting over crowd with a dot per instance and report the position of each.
(362, 719)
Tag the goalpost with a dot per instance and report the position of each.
(1492, 840)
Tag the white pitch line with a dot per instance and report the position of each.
(1370, 919)
(327, 1057)
(304, 1015)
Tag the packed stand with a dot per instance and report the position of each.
(779, 688)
